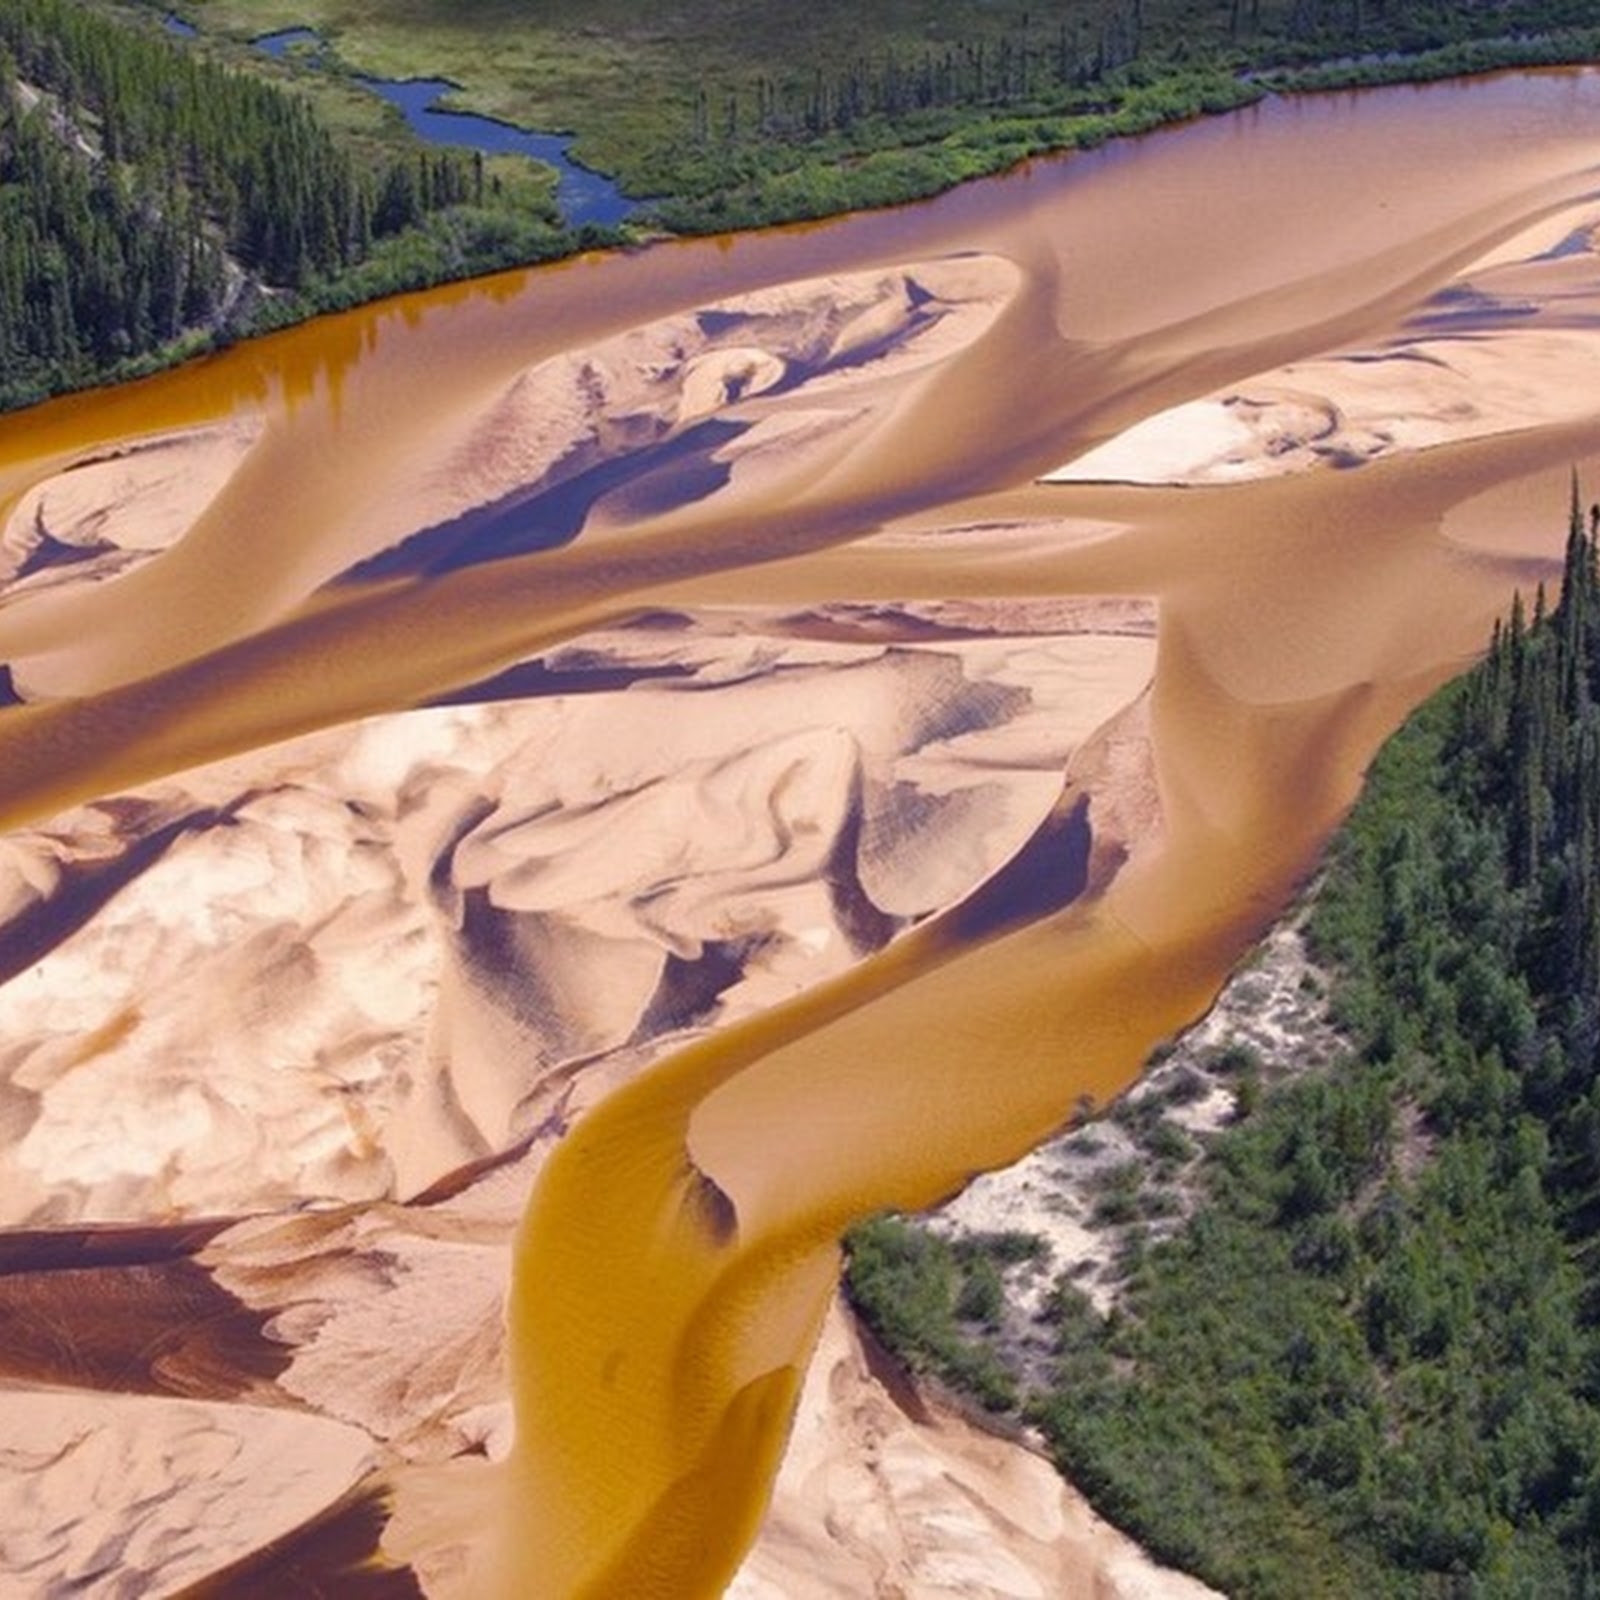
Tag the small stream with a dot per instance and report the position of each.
(583, 195)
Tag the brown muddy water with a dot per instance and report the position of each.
(679, 1248)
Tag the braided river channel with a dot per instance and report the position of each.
(535, 805)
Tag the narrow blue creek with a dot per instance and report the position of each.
(584, 196)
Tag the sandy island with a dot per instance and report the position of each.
(365, 981)
(1508, 343)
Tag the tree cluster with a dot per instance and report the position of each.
(142, 186)
(1022, 67)
(1369, 1363)
(1075, 59)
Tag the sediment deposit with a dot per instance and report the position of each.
(533, 806)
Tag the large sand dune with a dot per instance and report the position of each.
(341, 967)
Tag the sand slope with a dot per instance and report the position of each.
(632, 757)
(343, 967)
(880, 1497)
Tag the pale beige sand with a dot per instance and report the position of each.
(388, 1323)
(111, 511)
(875, 1503)
(939, 757)
(124, 1498)
(365, 952)
(1510, 343)
(844, 343)
(848, 344)
(392, 1316)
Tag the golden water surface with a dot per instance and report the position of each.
(679, 1248)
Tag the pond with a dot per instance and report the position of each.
(585, 196)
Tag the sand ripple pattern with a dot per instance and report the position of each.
(534, 806)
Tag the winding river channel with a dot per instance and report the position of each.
(404, 503)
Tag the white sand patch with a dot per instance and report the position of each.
(1041, 1195)
(128, 1497)
(1204, 440)
(1274, 1004)
(871, 1501)
(1270, 1021)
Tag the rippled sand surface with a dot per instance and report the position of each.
(534, 806)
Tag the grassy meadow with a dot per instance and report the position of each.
(716, 114)
(737, 112)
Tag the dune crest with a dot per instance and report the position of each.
(632, 771)
(340, 968)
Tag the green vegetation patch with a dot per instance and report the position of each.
(737, 112)
(1368, 1364)
(156, 198)
(929, 1298)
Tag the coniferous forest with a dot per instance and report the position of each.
(1370, 1362)
(158, 194)
(150, 196)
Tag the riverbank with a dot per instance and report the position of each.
(1074, 1220)
(729, 137)
(886, 1492)
(1337, 1307)
(806, 934)
(740, 123)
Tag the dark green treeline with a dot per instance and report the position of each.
(147, 192)
(1057, 49)
(1370, 1363)
(1070, 75)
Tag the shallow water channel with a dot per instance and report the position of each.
(679, 1245)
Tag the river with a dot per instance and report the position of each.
(678, 1249)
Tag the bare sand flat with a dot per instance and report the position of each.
(632, 761)
(879, 1496)
(1509, 343)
